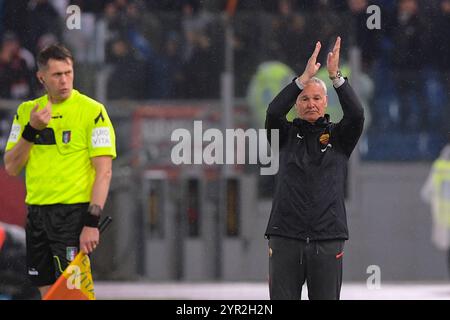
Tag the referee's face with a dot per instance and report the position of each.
(311, 102)
(57, 78)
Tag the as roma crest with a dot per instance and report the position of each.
(324, 138)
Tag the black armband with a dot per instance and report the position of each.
(92, 216)
(29, 133)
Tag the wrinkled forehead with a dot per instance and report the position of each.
(312, 89)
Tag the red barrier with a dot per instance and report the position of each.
(12, 199)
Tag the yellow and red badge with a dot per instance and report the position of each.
(324, 138)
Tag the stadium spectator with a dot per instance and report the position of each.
(16, 69)
(42, 18)
(408, 62)
(199, 52)
(173, 77)
(288, 43)
(128, 74)
(440, 35)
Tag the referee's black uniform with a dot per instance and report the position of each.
(308, 226)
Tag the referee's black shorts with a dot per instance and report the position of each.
(53, 239)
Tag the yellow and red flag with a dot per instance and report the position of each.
(75, 283)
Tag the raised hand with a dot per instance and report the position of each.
(312, 66)
(40, 119)
(333, 59)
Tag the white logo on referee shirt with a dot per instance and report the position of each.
(15, 133)
(101, 137)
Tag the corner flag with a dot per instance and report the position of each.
(76, 281)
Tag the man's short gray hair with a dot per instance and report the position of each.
(318, 81)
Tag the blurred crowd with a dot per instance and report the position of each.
(175, 49)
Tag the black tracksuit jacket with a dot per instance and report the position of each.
(308, 201)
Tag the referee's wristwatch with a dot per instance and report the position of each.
(337, 75)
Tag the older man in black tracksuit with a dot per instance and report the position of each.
(308, 225)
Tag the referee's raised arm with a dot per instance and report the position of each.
(16, 158)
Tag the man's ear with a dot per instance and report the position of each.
(40, 78)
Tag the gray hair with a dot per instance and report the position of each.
(319, 82)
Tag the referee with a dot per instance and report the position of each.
(66, 143)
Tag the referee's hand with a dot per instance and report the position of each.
(89, 239)
(39, 119)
